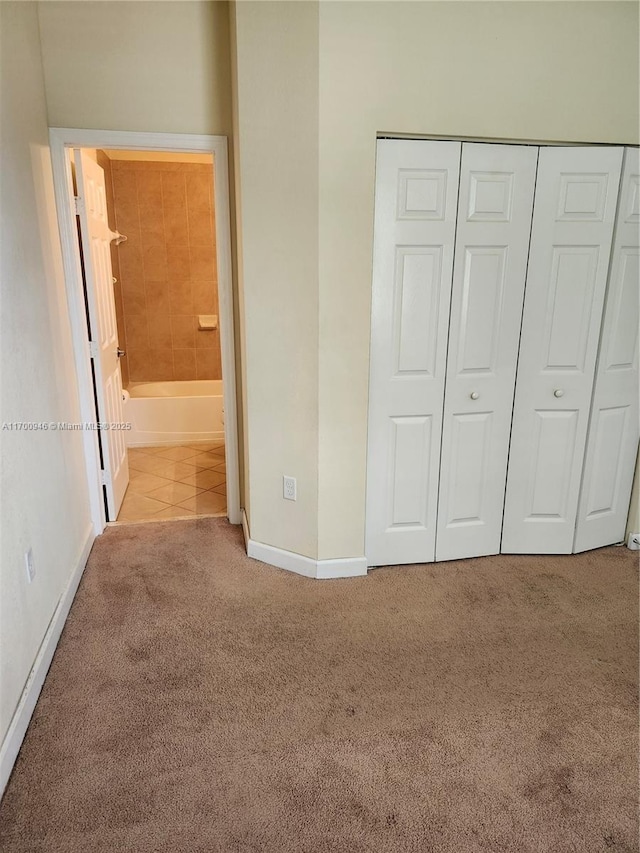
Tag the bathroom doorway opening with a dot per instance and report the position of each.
(171, 448)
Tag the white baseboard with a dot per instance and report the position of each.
(22, 716)
(290, 561)
(348, 567)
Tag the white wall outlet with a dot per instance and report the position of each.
(633, 542)
(30, 566)
(289, 489)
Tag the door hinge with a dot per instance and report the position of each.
(103, 477)
(93, 349)
(77, 204)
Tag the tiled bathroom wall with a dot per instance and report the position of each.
(103, 161)
(167, 268)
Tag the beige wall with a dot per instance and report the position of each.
(167, 268)
(538, 71)
(239, 307)
(530, 71)
(314, 84)
(277, 154)
(148, 66)
(42, 480)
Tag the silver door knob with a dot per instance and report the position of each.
(120, 352)
(558, 392)
(474, 395)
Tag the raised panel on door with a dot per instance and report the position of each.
(497, 184)
(612, 442)
(415, 215)
(574, 210)
(96, 238)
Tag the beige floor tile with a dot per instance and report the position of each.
(159, 448)
(174, 493)
(135, 507)
(137, 453)
(177, 454)
(206, 479)
(206, 502)
(205, 460)
(152, 465)
(142, 483)
(221, 467)
(177, 470)
(175, 512)
(203, 446)
(168, 481)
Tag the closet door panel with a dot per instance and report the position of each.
(415, 217)
(612, 442)
(574, 210)
(492, 239)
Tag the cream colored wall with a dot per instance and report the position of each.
(43, 489)
(540, 71)
(152, 66)
(276, 97)
(147, 66)
(314, 86)
(239, 307)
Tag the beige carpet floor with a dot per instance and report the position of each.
(201, 702)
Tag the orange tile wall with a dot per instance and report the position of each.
(105, 163)
(167, 268)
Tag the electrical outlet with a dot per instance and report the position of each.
(633, 542)
(31, 569)
(289, 488)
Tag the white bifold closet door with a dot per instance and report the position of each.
(414, 229)
(497, 184)
(612, 441)
(574, 210)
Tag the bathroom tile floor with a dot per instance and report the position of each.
(175, 481)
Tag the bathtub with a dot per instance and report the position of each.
(173, 412)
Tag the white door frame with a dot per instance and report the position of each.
(63, 138)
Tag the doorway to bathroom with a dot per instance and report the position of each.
(152, 241)
(160, 204)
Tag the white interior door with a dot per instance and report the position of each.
(574, 209)
(96, 239)
(415, 218)
(497, 184)
(612, 442)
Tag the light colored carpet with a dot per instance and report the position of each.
(201, 702)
